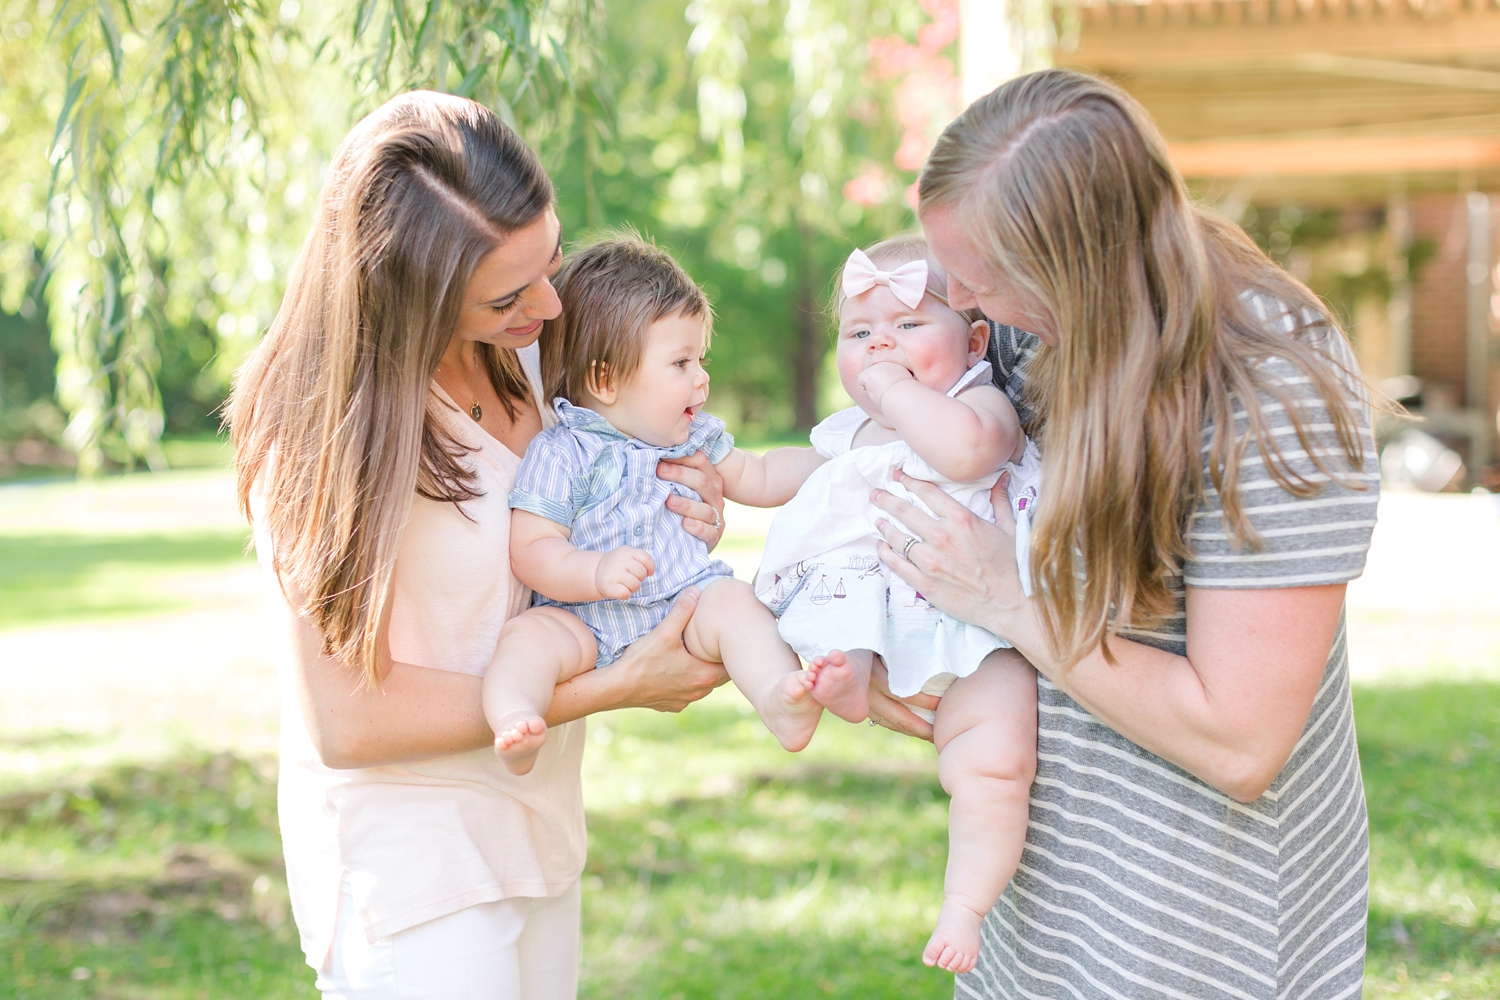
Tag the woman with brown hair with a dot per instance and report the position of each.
(1197, 822)
(378, 429)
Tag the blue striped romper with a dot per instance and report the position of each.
(601, 485)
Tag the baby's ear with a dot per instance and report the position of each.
(600, 385)
(979, 339)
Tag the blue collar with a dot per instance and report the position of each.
(581, 418)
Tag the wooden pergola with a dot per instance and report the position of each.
(1326, 102)
(1327, 99)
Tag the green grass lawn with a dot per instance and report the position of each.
(718, 868)
(72, 577)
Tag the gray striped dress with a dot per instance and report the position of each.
(1140, 881)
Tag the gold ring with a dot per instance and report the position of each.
(906, 549)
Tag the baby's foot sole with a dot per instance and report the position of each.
(518, 743)
(840, 688)
(954, 945)
(792, 715)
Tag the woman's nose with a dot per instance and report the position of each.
(959, 296)
(541, 301)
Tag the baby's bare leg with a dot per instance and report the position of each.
(538, 650)
(986, 740)
(732, 627)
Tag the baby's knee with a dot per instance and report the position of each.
(728, 593)
(541, 627)
(985, 754)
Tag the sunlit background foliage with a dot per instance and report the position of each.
(163, 157)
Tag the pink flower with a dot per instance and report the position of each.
(871, 187)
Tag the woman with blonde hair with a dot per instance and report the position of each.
(378, 429)
(1197, 823)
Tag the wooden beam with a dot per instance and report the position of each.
(1334, 155)
(1130, 38)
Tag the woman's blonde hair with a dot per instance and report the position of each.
(330, 416)
(1063, 185)
(611, 292)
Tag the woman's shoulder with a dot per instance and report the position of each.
(1311, 509)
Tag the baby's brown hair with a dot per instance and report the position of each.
(612, 290)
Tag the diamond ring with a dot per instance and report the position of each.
(906, 549)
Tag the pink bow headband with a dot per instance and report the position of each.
(907, 282)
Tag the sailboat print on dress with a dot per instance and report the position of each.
(821, 594)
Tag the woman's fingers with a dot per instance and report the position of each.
(673, 678)
(1005, 515)
(702, 519)
(698, 519)
(680, 614)
(886, 711)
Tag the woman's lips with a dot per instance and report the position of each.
(524, 331)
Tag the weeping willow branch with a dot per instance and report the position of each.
(164, 101)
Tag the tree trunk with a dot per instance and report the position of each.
(812, 343)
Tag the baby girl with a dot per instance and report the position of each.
(926, 408)
(590, 533)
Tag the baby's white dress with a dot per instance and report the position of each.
(829, 590)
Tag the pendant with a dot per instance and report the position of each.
(475, 411)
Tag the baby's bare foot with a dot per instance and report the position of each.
(519, 740)
(954, 945)
(840, 688)
(791, 713)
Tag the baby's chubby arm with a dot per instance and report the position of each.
(768, 480)
(544, 560)
(965, 437)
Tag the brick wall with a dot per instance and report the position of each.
(1438, 298)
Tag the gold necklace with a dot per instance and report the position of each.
(474, 410)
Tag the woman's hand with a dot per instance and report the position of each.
(962, 563)
(703, 519)
(887, 711)
(655, 672)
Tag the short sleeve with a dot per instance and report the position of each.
(544, 483)
(709, 435)
(834, 435)
(1306, 541)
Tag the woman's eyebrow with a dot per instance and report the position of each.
(510, 295)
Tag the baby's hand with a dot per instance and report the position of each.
(879, 377)
(621, 571)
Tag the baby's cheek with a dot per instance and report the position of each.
(851, 364)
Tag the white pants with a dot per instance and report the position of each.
(514, 949)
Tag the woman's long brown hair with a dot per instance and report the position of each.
(1062, 183)
(330, 416)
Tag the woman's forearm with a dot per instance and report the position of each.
(1229, 712)
(416, 713)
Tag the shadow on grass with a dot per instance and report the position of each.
(820, 884)
(48, 578)
(159, 882)
(814, 880)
